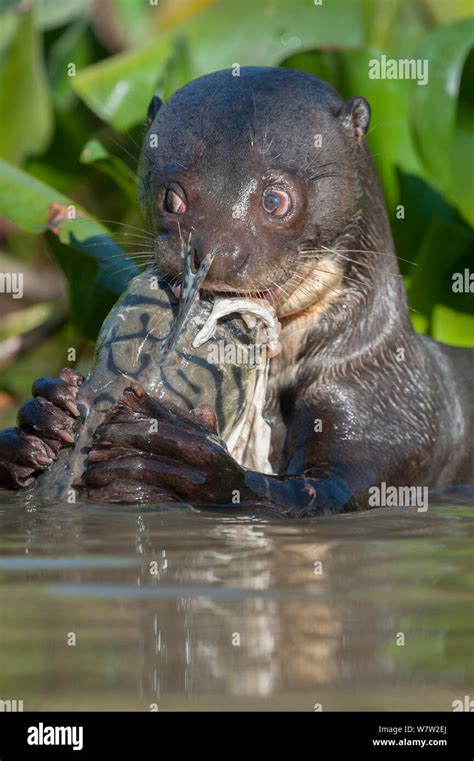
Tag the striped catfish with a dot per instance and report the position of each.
(218, 357)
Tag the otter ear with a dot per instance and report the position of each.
(153, 108)
(355, 115)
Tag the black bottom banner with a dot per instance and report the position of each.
(374, 735)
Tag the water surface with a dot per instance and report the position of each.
(219, 610)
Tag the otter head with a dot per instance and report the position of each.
(268, 171)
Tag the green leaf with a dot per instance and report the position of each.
(178, 68)
(445, 249)
(250, 32)
(96, 155)
(91, 294)
(97, 269)
(389, 136)
(25, 104)
(22, 320)
(422, 203)
(54, 13)
(8, 27)
(395, 26)
(448, 157)
(73, 46)
(452, 327)
(445, 12)
(44, 171)
(26, 201)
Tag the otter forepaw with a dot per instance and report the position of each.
(61, 391)
(21, 455)
(163, 448)
(51, 413)
(46, 425)
(46, 420)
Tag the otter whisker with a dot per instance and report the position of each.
(311, 249)
(102, 244)
(123, 254)
(281, 289)
(368, 266)
(124, 224)
(134, 142)
(380, 253)
(127, 152)
(125, 235)
(359, 263)
(310, 294)
(343, 275)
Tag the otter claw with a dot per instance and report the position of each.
(58, 391)
(21, 455)
(25, 449)
(71, 377)
(44, 419)
(46, 425)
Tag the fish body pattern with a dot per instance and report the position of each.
(226, 369)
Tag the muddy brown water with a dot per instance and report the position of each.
(175, 608)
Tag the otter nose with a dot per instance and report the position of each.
(229, 258)
(228, 261)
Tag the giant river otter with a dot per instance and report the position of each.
(269, 171)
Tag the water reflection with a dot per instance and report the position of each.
(182, 609)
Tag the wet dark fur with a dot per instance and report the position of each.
(394, 406)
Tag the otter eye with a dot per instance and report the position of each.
(276, 201)
(175, 199)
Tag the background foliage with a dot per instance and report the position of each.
(77, 137)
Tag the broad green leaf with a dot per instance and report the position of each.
(421, 203)
(119, 89)
(7, 5)
(444, 250)
(54, 13)
(445, 12)
(25, 104)
(73, 46)
(389, 135)
(8, 26)
(91, 292)
(434, 114)
(44, 171)
(26, 201)
(395, 26)
(22, 320)
(138, 22)
(46, 359)
(178, 67)
(452, 327)
(250, 32)
(97, 269)
(419, 322)
(323, 65)
(96, 155)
